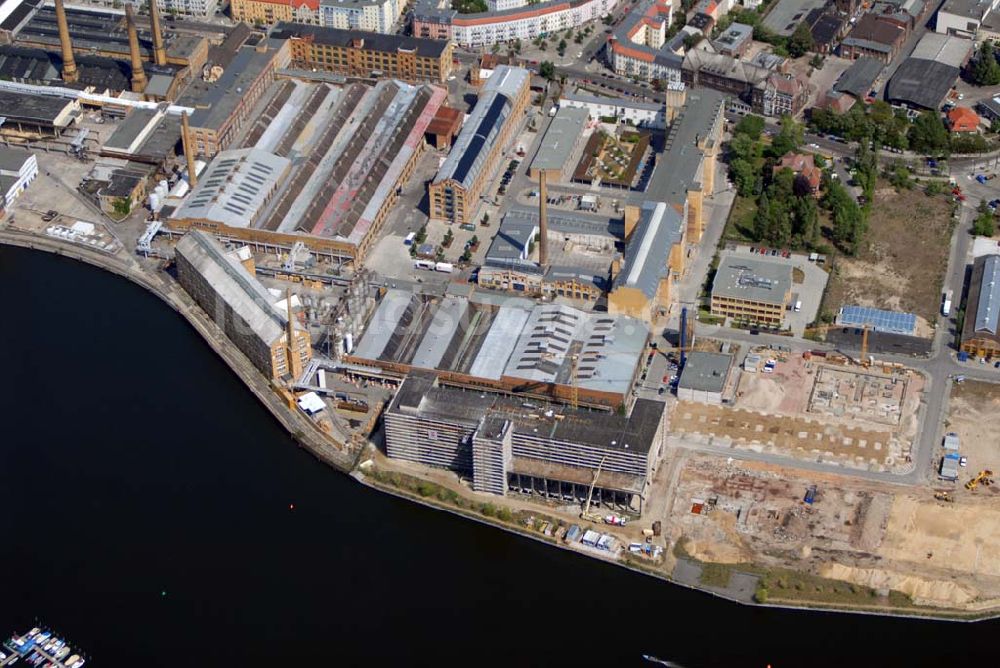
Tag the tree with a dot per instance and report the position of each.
(692, 40)
(928, 134)
(547, 70)
(984, 224)
(985, 70)
(806, 229)
(562, 47)
(744, 148)
(849, 224)
(789, 138)
(750, 125)
(762, 219)
(801, 41)
(899, 177)
(743, 175)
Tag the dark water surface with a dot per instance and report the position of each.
(144, 512)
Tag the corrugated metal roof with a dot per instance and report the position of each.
(988, 308)
(560, 139)
(235, 187)
(859, 78)
(660, 226)
(241, 291)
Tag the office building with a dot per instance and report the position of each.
(752, 291)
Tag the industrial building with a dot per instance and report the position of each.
(579, 255)
(236, 187)
(703, 378)
(654, 258)
(504, 20)
(28, 116)
(505, 444)
(360, 54)
(968, 18)
(149, 136)
(321, 165)
(860, 78)
(102, 48)
(17, 170)
(560, 144)
(272, 340)
(981, 329)
(508, 345)
(752, 291)
(491, 127)
(224, 107)
(685, 171)
(919, 83)
(874, 36)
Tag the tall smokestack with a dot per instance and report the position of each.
(188, 150)
(69, 71)
(543, 221)
(138, 74)
(159, 51)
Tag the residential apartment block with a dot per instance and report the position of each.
(509, 21)
(269, 12)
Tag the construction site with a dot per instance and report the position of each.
(813, 407)
(972, 411)
(807, 535)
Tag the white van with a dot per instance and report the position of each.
(798, 306)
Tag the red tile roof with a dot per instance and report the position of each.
(963, 119)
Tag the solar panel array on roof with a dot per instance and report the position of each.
(881, 321)
(485, 134)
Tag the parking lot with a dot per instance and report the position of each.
(808, 282)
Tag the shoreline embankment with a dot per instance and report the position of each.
(308, 436)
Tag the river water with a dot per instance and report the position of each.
(146, 513)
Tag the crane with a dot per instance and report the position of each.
(590, 494)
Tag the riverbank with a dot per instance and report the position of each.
(292, 422)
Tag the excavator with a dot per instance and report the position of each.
(983, 478)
